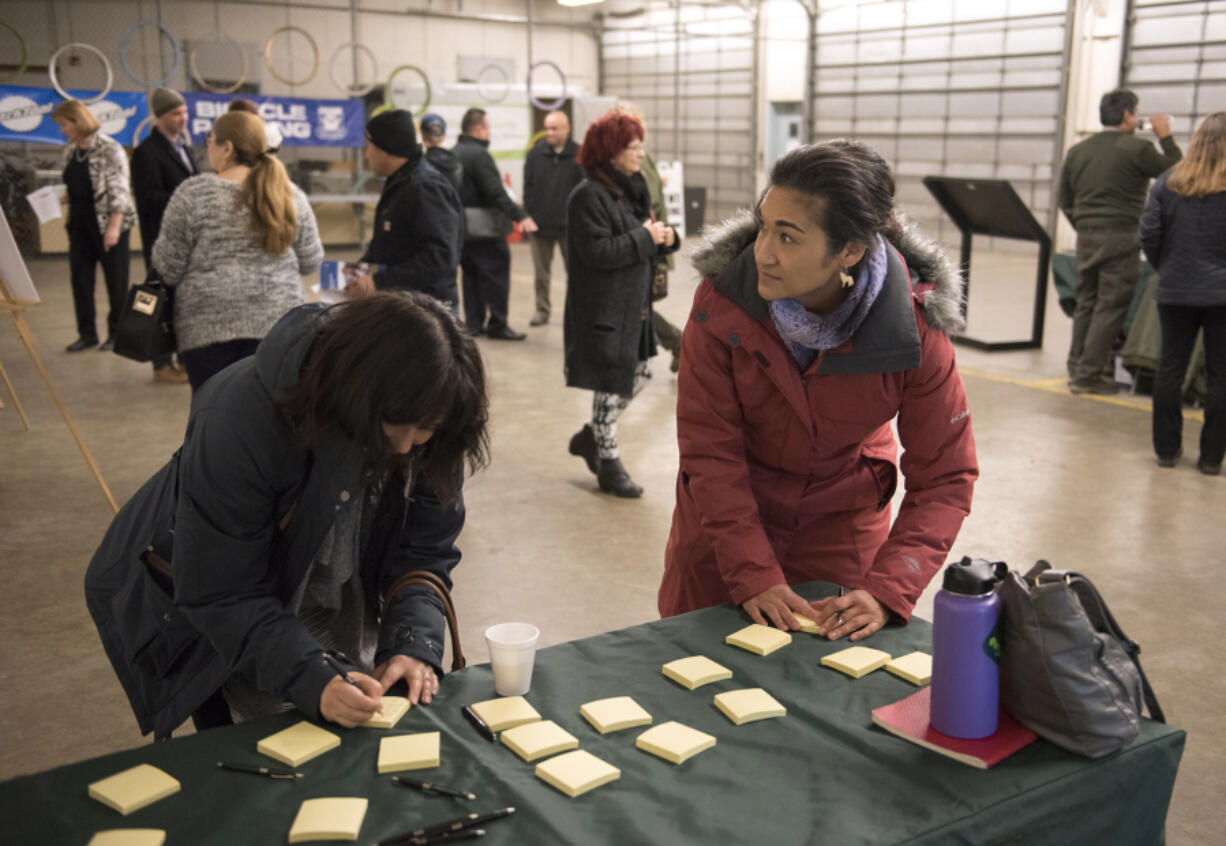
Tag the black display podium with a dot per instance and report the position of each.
(991, 207)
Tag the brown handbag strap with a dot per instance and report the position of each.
(431, 580)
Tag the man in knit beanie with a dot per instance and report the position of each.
(159, 163)
(417, 230)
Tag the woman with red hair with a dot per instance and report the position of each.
(613, 242)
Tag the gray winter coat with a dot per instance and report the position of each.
(214, 511)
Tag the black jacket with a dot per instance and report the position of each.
(549, 177)
(446, 163)
(481, 186)
(157, 171)
(1183, 238)
(610, 256)
(213, 511)
(418, 232)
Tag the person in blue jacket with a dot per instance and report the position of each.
(271, 547)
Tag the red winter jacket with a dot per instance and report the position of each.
(787, 477)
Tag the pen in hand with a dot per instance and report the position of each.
(341, 671)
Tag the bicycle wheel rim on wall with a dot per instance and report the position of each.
(80, 45)
(24, 62)
(268, 55)
(163, 32)
(195, 71)
(390, 102)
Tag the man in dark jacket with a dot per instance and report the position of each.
(550, 174)
(1102, 190)
(486, 259)
(159, 164)
(417, 230)
(433, 133)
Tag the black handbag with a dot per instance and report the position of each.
(146, 327)
(484, 223)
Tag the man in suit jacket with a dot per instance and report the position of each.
(159, 164)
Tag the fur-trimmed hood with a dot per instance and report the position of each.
(925, 260)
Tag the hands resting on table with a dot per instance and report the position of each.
(346, 705)
(857, 613)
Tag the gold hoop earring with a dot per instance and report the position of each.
(846, 278)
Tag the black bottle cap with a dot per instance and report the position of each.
(974, 577)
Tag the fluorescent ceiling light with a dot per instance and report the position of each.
(578, 2)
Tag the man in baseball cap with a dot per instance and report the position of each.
(433, 131)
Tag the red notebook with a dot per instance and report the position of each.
(908, 718)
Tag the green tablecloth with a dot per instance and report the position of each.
(822, 774)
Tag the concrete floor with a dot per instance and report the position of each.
(1066, 478)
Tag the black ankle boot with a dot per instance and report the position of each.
(583, 444)
(614, 479)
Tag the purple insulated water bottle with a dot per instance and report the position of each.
(966, 650)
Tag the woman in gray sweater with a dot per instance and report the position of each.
(234, 246)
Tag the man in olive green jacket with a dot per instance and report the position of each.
(1102, 191)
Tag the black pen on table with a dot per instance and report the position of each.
(269, 772)
(437, 840)
(340, 671)
(478, 723)
(432, 787)
(449, 828)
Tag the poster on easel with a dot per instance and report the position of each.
(15, 282)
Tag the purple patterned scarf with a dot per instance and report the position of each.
(806, 334)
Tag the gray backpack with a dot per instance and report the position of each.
(1068, 672)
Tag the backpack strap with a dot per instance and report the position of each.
(1103, 620)
(434, 582)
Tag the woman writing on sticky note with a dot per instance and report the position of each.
(820, 321)
(267, 562)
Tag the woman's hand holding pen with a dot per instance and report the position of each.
(349, 704)
(857, 613)
(778, 605)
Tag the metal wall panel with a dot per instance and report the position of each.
(949, 88)
(1175, 60)
(690, 67)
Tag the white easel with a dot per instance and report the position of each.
(17, 294)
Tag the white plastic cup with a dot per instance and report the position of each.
(512, 651)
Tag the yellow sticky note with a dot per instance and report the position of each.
(536, 740)
(856, 661)
(761, 640)
(128, 837)
(915, 667)
(745, 706)
(409, 752)
(134, 788)
(614, 714)
(674, 742)
(806, 625)
(394, 707)
(298, 744)
(575, 773)
(334, 818)
(505, 712)
(696, 671)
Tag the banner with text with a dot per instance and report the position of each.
(25, 115)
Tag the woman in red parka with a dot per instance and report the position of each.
(820, 321)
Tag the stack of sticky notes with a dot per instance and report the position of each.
(745, 706)
(128, 837)
(298, 744)
(915, 667)
(856, 661)
(695, 671)
(615, 713)
(806, 625)
(575, 773)
(134, 788)
(393, 708)
(761, 640)
(409, 752)
(537, 740)
(674, 742)
(505, 712)
(328, 819)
